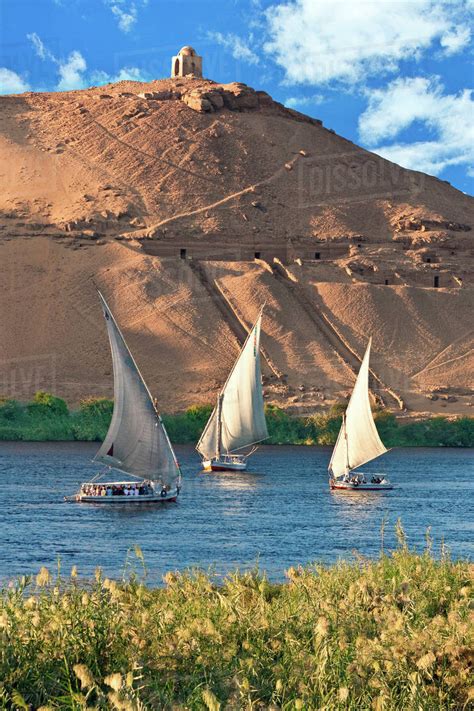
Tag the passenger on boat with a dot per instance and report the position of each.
(117, 489)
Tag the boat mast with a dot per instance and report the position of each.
(347, 443)
(219, 425)
(163, 428)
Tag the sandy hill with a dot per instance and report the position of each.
(190, 203)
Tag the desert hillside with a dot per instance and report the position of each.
(189, 203)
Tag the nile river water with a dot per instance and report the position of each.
(279, 514)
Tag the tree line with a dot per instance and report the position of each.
(48, 418)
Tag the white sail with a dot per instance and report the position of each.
(136, 442)
(358, 441)
(242, 417)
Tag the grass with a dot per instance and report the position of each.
(47, 417)
(390, 634)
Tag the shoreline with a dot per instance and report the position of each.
(47, 418)
(327, 447)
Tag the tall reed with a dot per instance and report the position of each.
(394, 633)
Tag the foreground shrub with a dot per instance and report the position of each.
(392, 634)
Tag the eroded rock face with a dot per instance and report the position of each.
(235, 96)
(160, 95)
(204, 99)
(424, 225)
(245, 96)
(216, 99)
(206, 96)
(197, 101)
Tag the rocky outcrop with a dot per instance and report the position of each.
(422, 225)
(235, 96)
(244, 96)
(160, 95)
(206, 96)
(197, 101)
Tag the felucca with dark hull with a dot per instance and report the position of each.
(136, 443)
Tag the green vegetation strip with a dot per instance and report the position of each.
(47, 418)
(391, 634)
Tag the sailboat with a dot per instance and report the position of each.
(136, 444)
(358, 441)
(238, 419)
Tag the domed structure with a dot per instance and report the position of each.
(187, 51)
(187, 61)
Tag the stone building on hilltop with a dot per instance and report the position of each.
(186, 62)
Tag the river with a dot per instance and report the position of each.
(278, 514)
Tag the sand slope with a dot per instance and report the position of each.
(105, 186)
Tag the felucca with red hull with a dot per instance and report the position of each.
(136, 444)
(358, 441)
(238, 420)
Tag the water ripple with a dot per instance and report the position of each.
(280, 514)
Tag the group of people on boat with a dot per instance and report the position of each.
(357, 479)
(141, 489)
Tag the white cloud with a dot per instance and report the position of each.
(71, 72)
(126, 18)
(11, 82)
(294, 101)
(456, 40)
(37, 43)
(430, 157)
(125, 74)
(397, 105)
(448, 117)
(326, 40)
(125, 12)
(236, 46)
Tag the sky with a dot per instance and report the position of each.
(395, 77)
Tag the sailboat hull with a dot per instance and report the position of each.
(158, 497)
(121, 500)
(349, 485)
(225, 464)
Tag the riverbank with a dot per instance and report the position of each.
(392, 633)
(47, 418)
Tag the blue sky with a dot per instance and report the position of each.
(393, 76)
